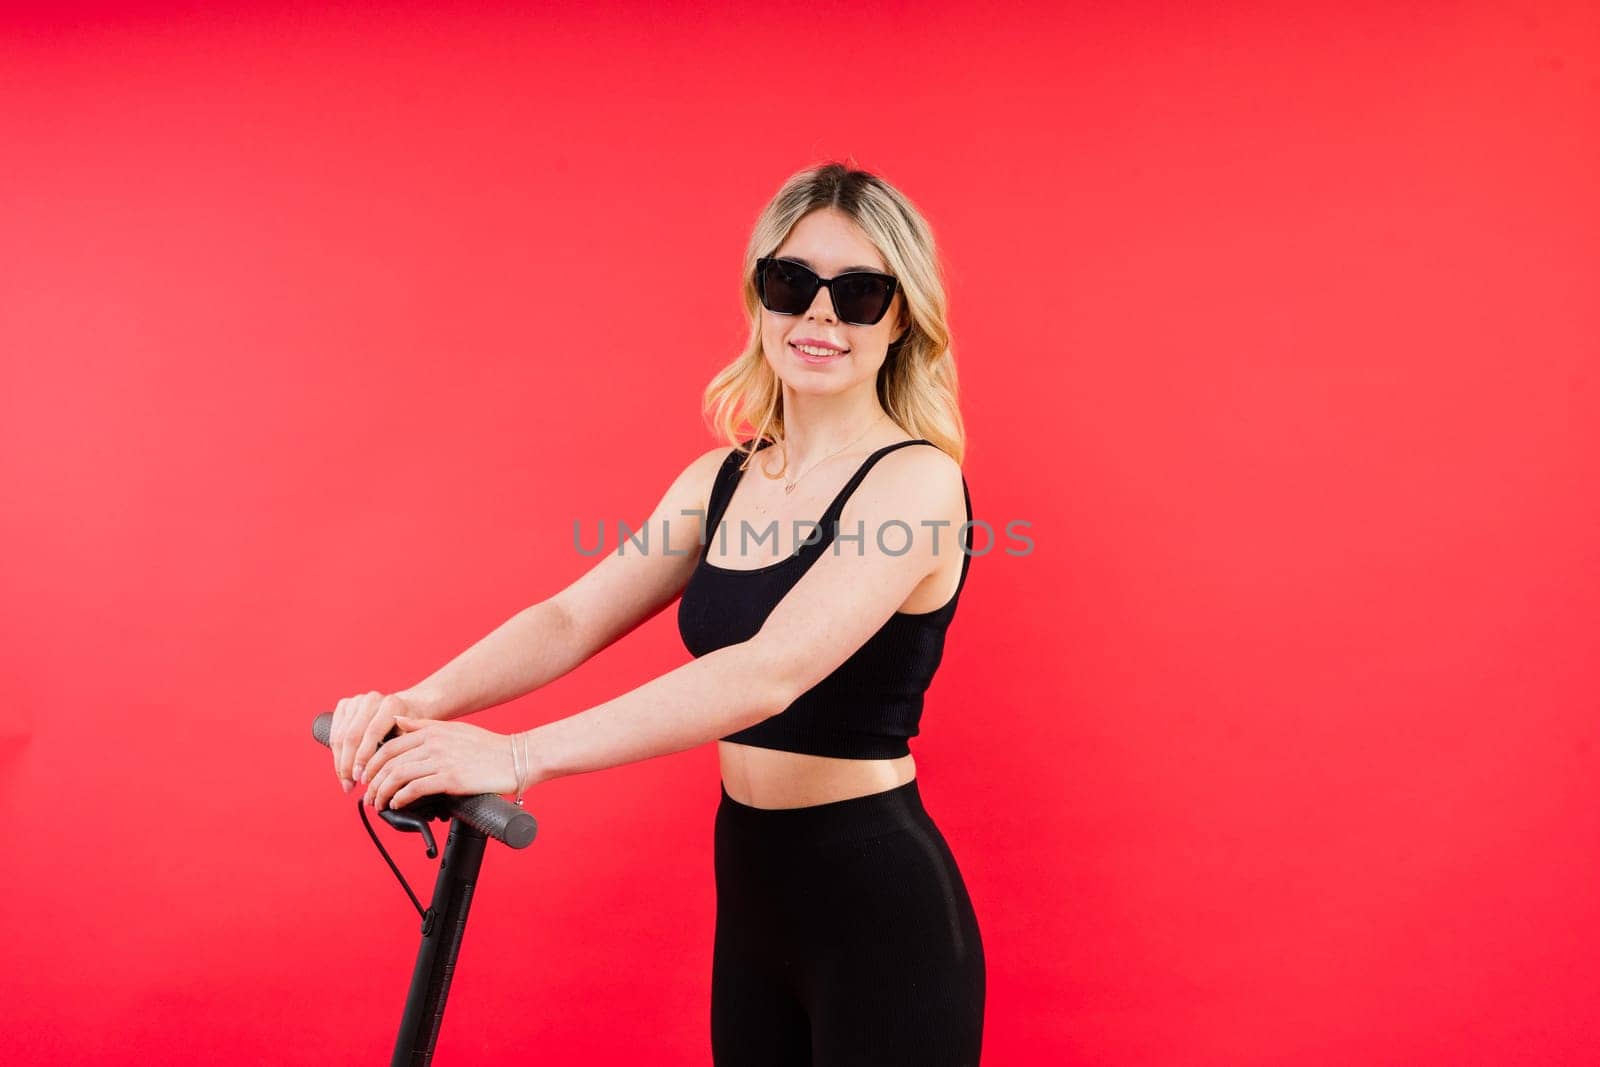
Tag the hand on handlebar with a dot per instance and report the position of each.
(430, 756)
(483, 813)
(360, 724)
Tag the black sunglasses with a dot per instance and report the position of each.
(861, 297)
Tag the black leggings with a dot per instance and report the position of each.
(844, 937)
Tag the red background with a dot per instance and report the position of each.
(320, 329)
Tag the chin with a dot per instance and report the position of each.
(796, 372)
(814, 384)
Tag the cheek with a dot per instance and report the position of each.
(772, 349)
(772, 339)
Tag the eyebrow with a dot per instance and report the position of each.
(813, 266)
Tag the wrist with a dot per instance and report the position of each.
(535, 758)
(425, 703)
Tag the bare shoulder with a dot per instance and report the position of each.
(918, 472)
(706, 464)
(915, 484)
(701, 473)
(931, 462)
(691, 491)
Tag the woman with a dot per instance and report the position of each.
(816, 610)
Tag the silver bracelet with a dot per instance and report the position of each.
(527, 767)
(516, 770)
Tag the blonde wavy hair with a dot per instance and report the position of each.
(917, 383)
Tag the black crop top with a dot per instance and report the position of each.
(869, 705)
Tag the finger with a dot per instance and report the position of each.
(384, 722)
(416, 789)
(333, 736)
(380, 778)
(336, 741)
(372, 728)
(348, 733)
(368, 744)
(387, 751)
(394, 777)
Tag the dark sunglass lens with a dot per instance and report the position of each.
(787, 288)
(861, 298)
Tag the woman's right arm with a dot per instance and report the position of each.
(535, 646)
(543, 642)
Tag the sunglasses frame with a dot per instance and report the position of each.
(824, 283)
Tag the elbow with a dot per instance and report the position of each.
(770, 677)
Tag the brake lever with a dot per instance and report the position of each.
(411, 822)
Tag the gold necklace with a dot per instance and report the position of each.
(788, 487)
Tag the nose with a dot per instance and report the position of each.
(822, 305)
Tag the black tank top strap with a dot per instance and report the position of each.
(836, 508)
(722, 490)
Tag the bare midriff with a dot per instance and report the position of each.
(770, 778)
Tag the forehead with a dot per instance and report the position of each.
(830, 242)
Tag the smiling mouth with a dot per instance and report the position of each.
(816, 355)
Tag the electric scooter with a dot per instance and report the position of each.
(473, 820)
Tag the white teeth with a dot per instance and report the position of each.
(813, 351)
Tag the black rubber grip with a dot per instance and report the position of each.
(489, 813)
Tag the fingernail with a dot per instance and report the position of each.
(359, 769)
(346, 783)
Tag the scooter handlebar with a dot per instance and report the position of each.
(489, 813)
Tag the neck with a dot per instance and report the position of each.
(817, 426)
